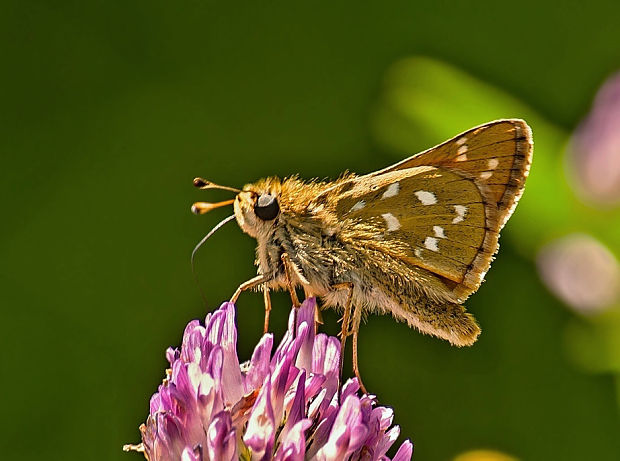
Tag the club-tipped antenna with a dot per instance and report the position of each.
(203, 184)
(204, 239)
(205, 207)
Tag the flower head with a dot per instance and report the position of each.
(282, 406)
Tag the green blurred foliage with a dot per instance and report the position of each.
(110, 108)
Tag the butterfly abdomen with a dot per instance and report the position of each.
(440, 318)
(449, 321)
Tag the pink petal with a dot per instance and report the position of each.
(293, 446)
(297, 409)
(259, 364)
(306, 315)
(221, 438)
(404, 452)
(347, 433)
(191, 455)
(261, 427)
(232, 381)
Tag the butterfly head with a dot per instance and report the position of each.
(257, 207)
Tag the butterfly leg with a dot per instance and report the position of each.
(318, 318)
(357, 318)
(288, 272)
(252, 283)
(344, 330)
(267, 299)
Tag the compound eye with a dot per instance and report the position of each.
(266, 207)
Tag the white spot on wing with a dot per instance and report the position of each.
(461, 158)
(417, 252)
(460, 211)
(431, 243)
(462, 149)
(439, 232)
(485, 175)
(493, 162)
(427, 198)
(358, 206)
(391, 191)
(392, 222)
(461, 141)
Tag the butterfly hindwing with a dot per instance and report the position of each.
(443, 208)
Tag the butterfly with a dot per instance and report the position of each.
(413, 240)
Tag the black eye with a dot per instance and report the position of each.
(266, 207)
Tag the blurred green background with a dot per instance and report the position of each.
(109, 109)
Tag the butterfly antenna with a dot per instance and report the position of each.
(203, 184)
(205, 207)
(204, 239)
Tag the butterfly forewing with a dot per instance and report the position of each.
(445, 206)
(441, 229)
(496, 156)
